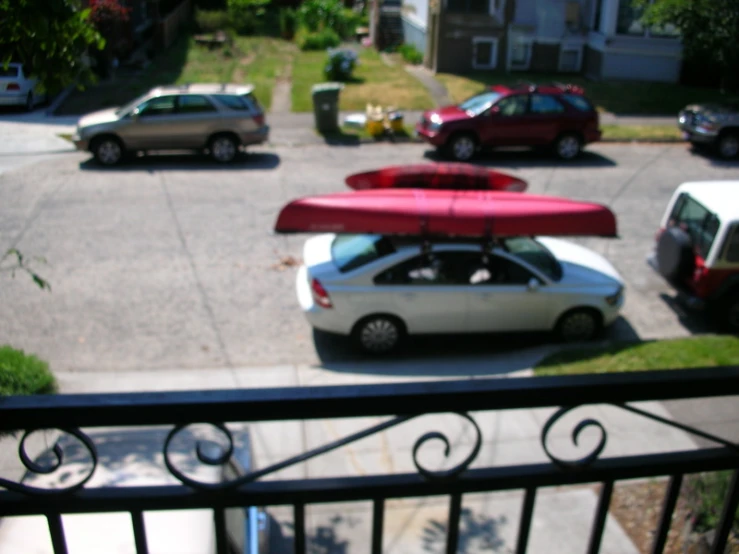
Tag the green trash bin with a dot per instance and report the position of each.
(326, 106)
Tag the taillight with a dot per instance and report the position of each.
(320, 295)
(259, 119)
(13, 86)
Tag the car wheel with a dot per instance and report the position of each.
(108, 150)
(728, 145)
(568, 146)
(675, 257)
(578, 325)
(462, 147)
(729, 316)
(223, 148)
(379, 334)
(29, 102)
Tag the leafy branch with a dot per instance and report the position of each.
(18, 263)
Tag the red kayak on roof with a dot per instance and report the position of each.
(445, 213)
(449, 176)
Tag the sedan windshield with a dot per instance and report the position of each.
(480, 102)
(535, 254)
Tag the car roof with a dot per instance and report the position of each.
(552, 88)
(205, 88)
(719, 197)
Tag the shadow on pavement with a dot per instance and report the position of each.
(695, 322)
(529, 158)
(476, 534)
(710, 154)
(180, 162)
(454, 355)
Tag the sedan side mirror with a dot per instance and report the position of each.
(533, 285)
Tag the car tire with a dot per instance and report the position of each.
(108, 150)
(567, 146)
(675, 258)
(462, 147)
(581, 324)
(378, 334)
(728, 312)
(223, 148)
(728, 145)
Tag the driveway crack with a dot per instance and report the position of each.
(198, 280)
(631, 179)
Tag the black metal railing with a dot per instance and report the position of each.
(70, 414)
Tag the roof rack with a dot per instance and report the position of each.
(564, 87)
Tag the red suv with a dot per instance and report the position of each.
(557, 116)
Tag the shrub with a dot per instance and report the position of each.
(288, 21)
(410, 54)
(706, 493)
(248, 16)
(340, 65)
(210, 21)
(321, 40)
(22, 373)
(317, 15)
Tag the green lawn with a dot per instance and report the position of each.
(625, 97)
(374, 83)
(704, 351)
(255, 60)
(646, 133)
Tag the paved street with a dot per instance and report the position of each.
(169, 262)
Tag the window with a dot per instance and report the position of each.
(252, 101)
(697, 221)
(9, 72)
(629, 22)
(161, 105)
(545, 104)
(731, 250)
(484, 53)
(468, 6)
(479, 103)
(194, 103)
(353, 251)
(435, 268)
(535, 254)
(500, 271)
(578, 102)
(232, 101)
(513, 105)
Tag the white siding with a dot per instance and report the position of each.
(416, 12)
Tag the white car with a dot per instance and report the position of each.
(17, 88)
(377, 288)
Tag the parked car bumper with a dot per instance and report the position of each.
(432, 137)
(325, 319)
(593, 136)
(80, 143)
(256, 137)
(699, 135)
(12, 98)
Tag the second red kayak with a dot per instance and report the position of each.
(448, 176)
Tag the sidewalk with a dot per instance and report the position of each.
(562, 516)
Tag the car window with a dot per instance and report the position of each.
(479, 103)
(731, 250)
(9, 72)
(161, 105)
(697, 221)
(545, 104)
(535, 254)
(513, 105)
(578, 102)
(353, 251)
(194, 103)
(435, 268)
(497, 270)
(233, 101)
(252, 100)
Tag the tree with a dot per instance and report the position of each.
(709, 29)
(50, 39)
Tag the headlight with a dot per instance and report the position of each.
(614, 298)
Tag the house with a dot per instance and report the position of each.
(602, 39)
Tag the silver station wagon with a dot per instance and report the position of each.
(219, 119)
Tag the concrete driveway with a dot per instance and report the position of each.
(169, 262)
